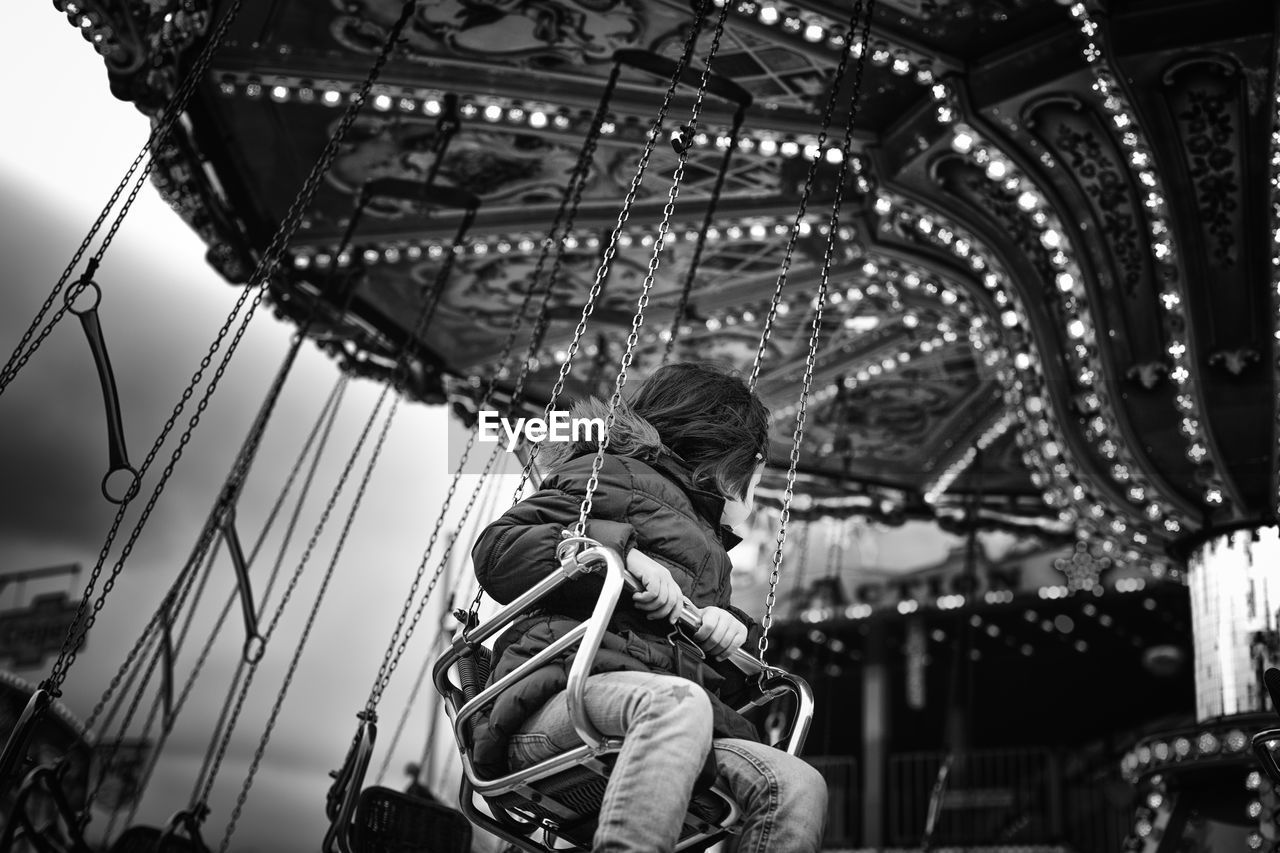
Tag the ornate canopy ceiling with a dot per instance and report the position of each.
(1053, 293)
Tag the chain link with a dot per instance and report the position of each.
(673, 192)
(816, 325)
(19, 357)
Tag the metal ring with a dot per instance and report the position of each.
(135, 480)
(74, 292)
(563, 549)
(255, 646)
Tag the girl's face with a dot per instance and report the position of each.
(736, 510)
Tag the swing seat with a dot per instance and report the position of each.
(149, 839)
(559, 799)
(146, 839)
(389, 821)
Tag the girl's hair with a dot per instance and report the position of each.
(711, 419)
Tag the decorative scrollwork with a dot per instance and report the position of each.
(1206, 102)
(1207, 126)
(537, 34)
(1094, 165)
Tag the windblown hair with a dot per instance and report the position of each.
(706, 416)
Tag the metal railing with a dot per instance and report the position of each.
(844, 799)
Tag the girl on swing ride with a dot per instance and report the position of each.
(680, 471)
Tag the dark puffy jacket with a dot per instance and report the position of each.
(647, 503)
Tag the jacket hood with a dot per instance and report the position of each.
(634, 437)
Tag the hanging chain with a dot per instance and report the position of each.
(816, 326)
(586, 160)
(292, 584)
(270, 259)
(851, 44)
(234, 484)
(177, 104)
(399, 376)
(643, 302)
(178, 606)
(276, 707)
(651, 138)
(321, 429)
(802, 548)
(682, 306)
(487, 504)
(569, 202)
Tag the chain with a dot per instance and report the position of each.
(135, 702)
(682, 306)
(486, 510)
(642, 303)
(816, 326)
(827, 112)
(229, 493)
(19, 357)
(655, 132)
(322, 429)
(271, 257)
(198, 554)
(570, 201)
(797, 579)
(399, 376)
(302, 640)
(269, 631)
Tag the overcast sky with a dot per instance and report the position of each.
(67, 145)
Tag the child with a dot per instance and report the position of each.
(683, 461)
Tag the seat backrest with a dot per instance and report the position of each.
(388, 821)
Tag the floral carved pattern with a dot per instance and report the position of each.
(1103, 180)
(1207, 129)
(497, 167)
(541, 34)
(968, 183)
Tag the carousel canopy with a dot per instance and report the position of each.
(1053, 301)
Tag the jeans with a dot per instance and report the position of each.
(666, 724)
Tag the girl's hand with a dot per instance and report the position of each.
(660, 595)
(721, 632)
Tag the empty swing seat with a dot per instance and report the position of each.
(388, 821)
(553, 805)
(149, 839)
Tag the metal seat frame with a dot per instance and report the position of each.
(522, 785)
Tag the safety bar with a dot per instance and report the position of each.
(774, 682)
